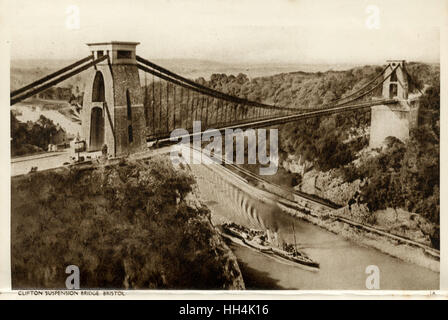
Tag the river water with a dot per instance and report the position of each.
(343, 262)
(32, 113)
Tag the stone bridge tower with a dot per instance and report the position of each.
(112, 112)
(398, 118)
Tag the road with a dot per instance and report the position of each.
(44, 161)
(51, 160)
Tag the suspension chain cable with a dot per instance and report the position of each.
(202, 89)
(57, 80)
(370, 91)
(171, 76)
(50, 76)
(412, 80)
(362, 88)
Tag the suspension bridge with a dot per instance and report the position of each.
(123, 115)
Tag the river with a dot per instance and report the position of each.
(343, 262)
(33, 112)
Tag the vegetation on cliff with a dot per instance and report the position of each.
(31, 137)
(126, 226)
(308, 90)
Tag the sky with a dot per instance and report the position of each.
(238, 31)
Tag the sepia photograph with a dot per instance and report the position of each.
(224, 145)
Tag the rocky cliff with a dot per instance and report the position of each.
(331, 186)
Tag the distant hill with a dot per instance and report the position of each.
(24, 71)
(193, 68)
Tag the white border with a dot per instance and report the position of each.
(444, 152)
(5, 154)
(5, 277)
(238, 295)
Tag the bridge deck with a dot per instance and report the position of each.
(260, 123)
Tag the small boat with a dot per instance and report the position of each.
(250, 237)
(234, 239)
(257, 239)
(258, 244)
(291, 253)
(295, 256)
(235, 230)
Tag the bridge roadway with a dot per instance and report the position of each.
(53, 160)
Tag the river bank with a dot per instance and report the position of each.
(372, 239)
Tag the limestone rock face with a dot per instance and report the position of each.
(296, 165)
(322, 184)
(331, 187)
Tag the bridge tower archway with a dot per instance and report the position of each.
(98, 94)
(96, 129)
(96, 138)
